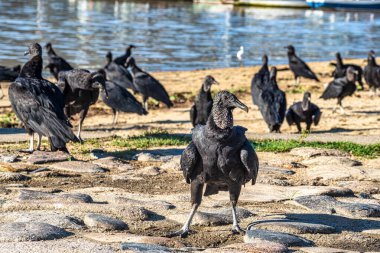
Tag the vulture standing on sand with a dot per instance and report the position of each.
(119, 99)
(273, 103)
(118, 73)
(219, 156)
(122, 59)
(56, 63)
(304, 111)
(39, 104)
(341, 88)
(259, 80)
(201, 109)
(80, 90)
(147, 85)
(298, 66)
(372, 73)
(8, 75)
(341, 69)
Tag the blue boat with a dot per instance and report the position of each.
(344, 4)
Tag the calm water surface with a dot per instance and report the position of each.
(180, 35)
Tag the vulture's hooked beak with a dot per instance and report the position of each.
(26, 53)
(240, 105)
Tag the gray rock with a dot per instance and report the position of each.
(39, 157)
(282, 238)
(31, 196)
(113, 163)
(77, 167)
(30, 231)
(325, 250)
(144, 247)
(12, 176)
(327, 204)
(52, 218)
(150, 171)
(334, 172)
(222, 217)
(43, 169)
(65, 245)
(172, 164)
(8, 158)
(307, 152)
(147, 157)
(256, 246)
(137, 213)
(267, 169)
(295, 227)
(104, 222)
(125, 177)
(331, 160)
(155, 204)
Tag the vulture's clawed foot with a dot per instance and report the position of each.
(237, 230)
(183, 233)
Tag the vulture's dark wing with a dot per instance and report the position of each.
(333, 90)
(316, 115)
(120, 99)
(290, 116)
(189, 160)
(280, 103)
(39, 105)
(119, 75)
(250, 161)
(193, 114)
(301, 68)
(152, 87)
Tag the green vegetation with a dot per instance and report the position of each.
(8, 120)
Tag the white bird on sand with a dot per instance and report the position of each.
(239, 54)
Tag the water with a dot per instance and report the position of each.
(181, 35)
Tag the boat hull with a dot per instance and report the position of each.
(340, 4)
(274, 3)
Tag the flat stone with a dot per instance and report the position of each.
(372, 231)
(30, 231)
(273, 193)
(327, 204)
(144, 247)
(155, 204)
(282, 238)
(295, 227)
(334, 172)
(150, 171)
(8, 158)
(267, 169)
(40, 157)
(137, 213)
(172, 164)
(256, 246)
(222, 217)
(113, 163)
(134, 238)
(12, 176)
(52, 218)
(331, 160)
(103, 222)
(325, 250)
(77, 167)
(307, 152)
(32, 196)
(65, 245)
(125, 177)
(147, 157)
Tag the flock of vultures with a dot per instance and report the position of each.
(219, 157)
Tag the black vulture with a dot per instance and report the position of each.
(122, 59)
(304, 111)
(341, 68)
(259, 80)
(119, 99)
(298, 66)
(273, 103)
(39, 105)
(219, 156)
(118, 74)
(8, 75)
(372, 73)
(341, 88)
(201, 109)
(147, 85)
(80, 90)
(56, 63)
